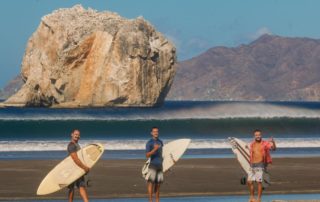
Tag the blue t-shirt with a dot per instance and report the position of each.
(156, 158)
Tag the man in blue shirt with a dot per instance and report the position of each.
(155, 174)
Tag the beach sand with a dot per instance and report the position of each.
(190, 177)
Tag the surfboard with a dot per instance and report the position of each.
(67, 171)
(171, 153)
(242, 152)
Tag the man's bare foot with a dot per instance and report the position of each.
(252, 199)
(258, 200)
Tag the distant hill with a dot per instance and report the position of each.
(270, 68)
(12, 87)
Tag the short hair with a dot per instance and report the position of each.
(257, 130)
(74, 130)
(154, 127)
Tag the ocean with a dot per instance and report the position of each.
(40, 133)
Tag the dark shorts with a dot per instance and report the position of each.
(78, 183)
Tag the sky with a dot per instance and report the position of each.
(193, 26)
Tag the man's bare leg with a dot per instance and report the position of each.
(157, 190)
(259, 191)
(251, 189)
(150, 191)
(83, 194)
(70, 195)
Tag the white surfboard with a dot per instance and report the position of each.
(242, 152)
(67, 171)
(171, 153)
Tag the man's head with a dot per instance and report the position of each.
(155, 132)
(75, 135)
(257, 135)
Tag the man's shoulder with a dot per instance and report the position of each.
(73, 147)
(73, 144)
(150, 141)
(70, 144)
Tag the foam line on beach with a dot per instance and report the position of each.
(134, 144)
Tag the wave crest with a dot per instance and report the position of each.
(175, 111)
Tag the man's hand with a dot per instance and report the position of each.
(156, 147)
(273, 143)
(271, 140)
(86, 169)
(77, 161)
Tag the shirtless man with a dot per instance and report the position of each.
(259, 160)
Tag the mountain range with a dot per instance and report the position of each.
(12, 87)
(271, 68)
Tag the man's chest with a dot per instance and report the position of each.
(257, 149)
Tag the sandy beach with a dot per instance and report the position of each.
(190, 177)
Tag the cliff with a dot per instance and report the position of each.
(83, 58)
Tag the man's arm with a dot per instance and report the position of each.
(77, 161)
(273, 144)
(150, 153)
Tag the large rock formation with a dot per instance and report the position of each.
(82, 58)
(272, 68)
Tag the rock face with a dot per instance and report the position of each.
(82, 58)
(272, 68)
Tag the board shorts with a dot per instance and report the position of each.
(78, 183)
(154, 176)
(256, 172)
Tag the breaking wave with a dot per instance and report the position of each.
(170, 111)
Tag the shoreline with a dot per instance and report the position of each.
(190, 177)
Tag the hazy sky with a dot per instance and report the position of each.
(193, 25)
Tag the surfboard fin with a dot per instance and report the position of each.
(171, 156)
(243, 180)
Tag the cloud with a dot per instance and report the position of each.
(261, 31)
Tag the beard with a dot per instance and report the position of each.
(258, 139)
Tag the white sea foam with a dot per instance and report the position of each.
(129, 144)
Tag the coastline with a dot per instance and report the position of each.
(190, 177)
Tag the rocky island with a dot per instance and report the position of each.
(83, 58)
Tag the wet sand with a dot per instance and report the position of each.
(190, 177)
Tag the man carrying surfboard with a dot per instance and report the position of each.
(73, 147)
(155, 172)
(259, 159)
